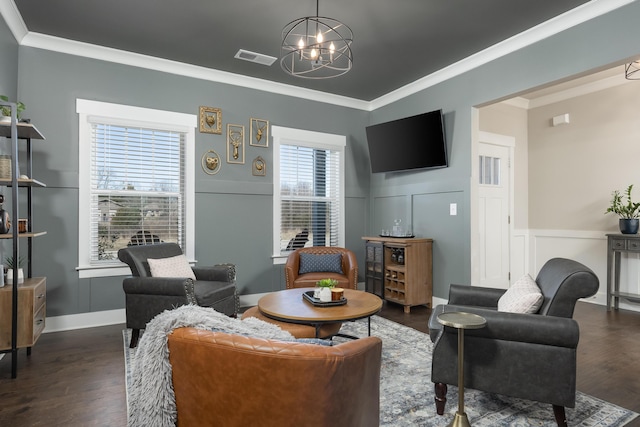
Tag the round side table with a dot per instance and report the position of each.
(461, 321)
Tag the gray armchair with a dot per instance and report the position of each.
(529, 356)
(148, 296)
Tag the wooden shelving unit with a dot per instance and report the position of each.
(22, 306)
(407, 270)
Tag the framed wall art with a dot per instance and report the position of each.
(259, 167)
(211, 162)
(259, 133)
(235, 144)
(211, 120)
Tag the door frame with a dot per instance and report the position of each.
(482, 137)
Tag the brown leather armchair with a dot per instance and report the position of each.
(348, 280)
(236, 380)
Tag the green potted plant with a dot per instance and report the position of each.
(9, 265)
(6, 111)
(627, 210)
(324, 289)
(327, 283)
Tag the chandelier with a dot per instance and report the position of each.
(631, 69)
(316, 47)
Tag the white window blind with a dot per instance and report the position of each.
(310, 195)
(308, 189)
(136, 189)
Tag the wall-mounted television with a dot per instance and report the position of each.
(416, 142)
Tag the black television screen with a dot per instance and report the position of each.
(415, 142)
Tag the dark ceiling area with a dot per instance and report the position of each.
(395, 42)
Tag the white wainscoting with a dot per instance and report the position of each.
(530, 249)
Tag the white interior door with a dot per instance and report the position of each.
(494, 212)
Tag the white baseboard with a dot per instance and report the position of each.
(84, 320)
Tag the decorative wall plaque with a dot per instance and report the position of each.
(259, 133)
(235, 144)
(259, 167)
(211, 120)
(211, 162)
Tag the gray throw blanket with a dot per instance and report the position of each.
(151, 398)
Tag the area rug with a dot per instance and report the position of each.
(406, 391)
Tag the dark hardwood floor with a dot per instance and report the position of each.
(76, 378)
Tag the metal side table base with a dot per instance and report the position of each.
(461, 321)
(460, 420)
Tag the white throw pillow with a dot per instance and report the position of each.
(523, 296)
(176, 266)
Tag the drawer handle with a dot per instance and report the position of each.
(40, 296)
(39, 321)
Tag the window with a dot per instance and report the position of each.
(136, 182)
(308, 207)
(489, 170)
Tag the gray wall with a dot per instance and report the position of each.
(234, 208)
(8, 62)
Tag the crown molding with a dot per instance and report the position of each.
(87, 50)
(518, 102)
(14, 21)
(546, 29)
(584, 89)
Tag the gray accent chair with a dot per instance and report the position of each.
(529, 356)
(148, 296)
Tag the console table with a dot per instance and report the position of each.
(616, 244)
(400, 269)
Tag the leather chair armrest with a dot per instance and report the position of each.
(474, 296)
(162, 286)
(526, 328)
(352, 268)
(216, 273)
(291, 268)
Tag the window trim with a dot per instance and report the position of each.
(131, 116)
(311, 139)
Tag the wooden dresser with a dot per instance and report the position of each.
(32, 298)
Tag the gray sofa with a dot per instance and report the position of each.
(148, 296)
(530, 356)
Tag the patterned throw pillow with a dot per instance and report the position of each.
(176, 266)
(523, 296)
(324, 263)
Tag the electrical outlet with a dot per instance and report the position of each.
(453, 209)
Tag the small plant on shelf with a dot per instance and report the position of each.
(8, 262)
(6, 111)
(327, 283)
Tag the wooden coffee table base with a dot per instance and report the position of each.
(298, 330)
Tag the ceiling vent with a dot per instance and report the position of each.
(258, 58)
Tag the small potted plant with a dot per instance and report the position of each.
(325, 286)
(9, 265)
(327, 283)
(6, 111)
(627, 210)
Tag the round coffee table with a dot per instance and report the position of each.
(290, 306)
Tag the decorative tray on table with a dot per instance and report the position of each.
(308, 295)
